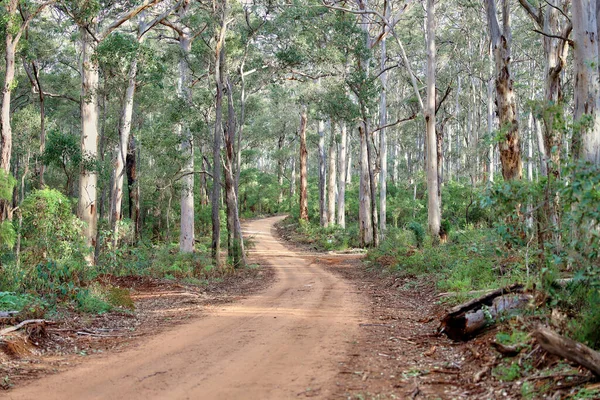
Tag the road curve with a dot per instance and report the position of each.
(283, 342)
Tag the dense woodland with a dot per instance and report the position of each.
(453, 139)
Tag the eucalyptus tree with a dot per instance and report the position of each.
(17, 15)
(94, 27)
(144, 25)
(510, 150)
(433, 198)
(185, 36)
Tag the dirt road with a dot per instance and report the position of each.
(284, 342)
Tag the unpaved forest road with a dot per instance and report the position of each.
(281, 343)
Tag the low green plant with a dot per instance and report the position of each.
(89, 301)
(507, 373)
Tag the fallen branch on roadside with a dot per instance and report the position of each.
(24, 323)
(567, 348)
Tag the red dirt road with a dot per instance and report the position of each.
(281, 343)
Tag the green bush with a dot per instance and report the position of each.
(50, 230)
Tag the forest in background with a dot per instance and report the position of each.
(459, 140)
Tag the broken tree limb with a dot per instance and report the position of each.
(465, 320)
(24, 323)
(567, 348)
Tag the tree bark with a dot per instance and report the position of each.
(433, 203)
(88, 176)
(184, 89)
(11, 42)
(122, 151)
(235, 247)
(331, 179)
(303, 167)
(343, 153)
(322, 175)
(510, 151)
(564, 347)
(586, 143)
(218, 134)
(364, 194)
(382, 132)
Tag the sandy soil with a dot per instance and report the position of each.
(288, 341)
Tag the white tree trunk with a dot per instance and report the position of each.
(122, 149)
(343, 154)
(541, 148)
(184, 89)
(364, 195)
(433, 204)
(88, 178)
(331, 179)
(322, 175)
(383, 143)
(587, 84)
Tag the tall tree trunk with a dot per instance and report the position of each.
(280, 143)
(364, 195)
(184, 89)
(331, 179)
(122, 150)
(530, 129)
(490, 123)
(510, 151)
(373, 186)
(433, 204)
(343, 153)
(235, 247)
(382, 132)
(88, 178)
(218, 134)
(322, 175)
(586, 143)
(303, 167)
(11, 41)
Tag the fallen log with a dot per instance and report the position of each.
(24, 323)
(465, 320)
(567, 348)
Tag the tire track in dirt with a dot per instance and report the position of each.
(285, 341)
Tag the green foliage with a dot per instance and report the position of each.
(10, 301)
(51, 232)
(419, 232)
(513, 338)
(92, 303)
(507, 373)
(586, 328)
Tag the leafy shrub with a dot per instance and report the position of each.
(90, 302)
(50, 229)
(419, 232)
